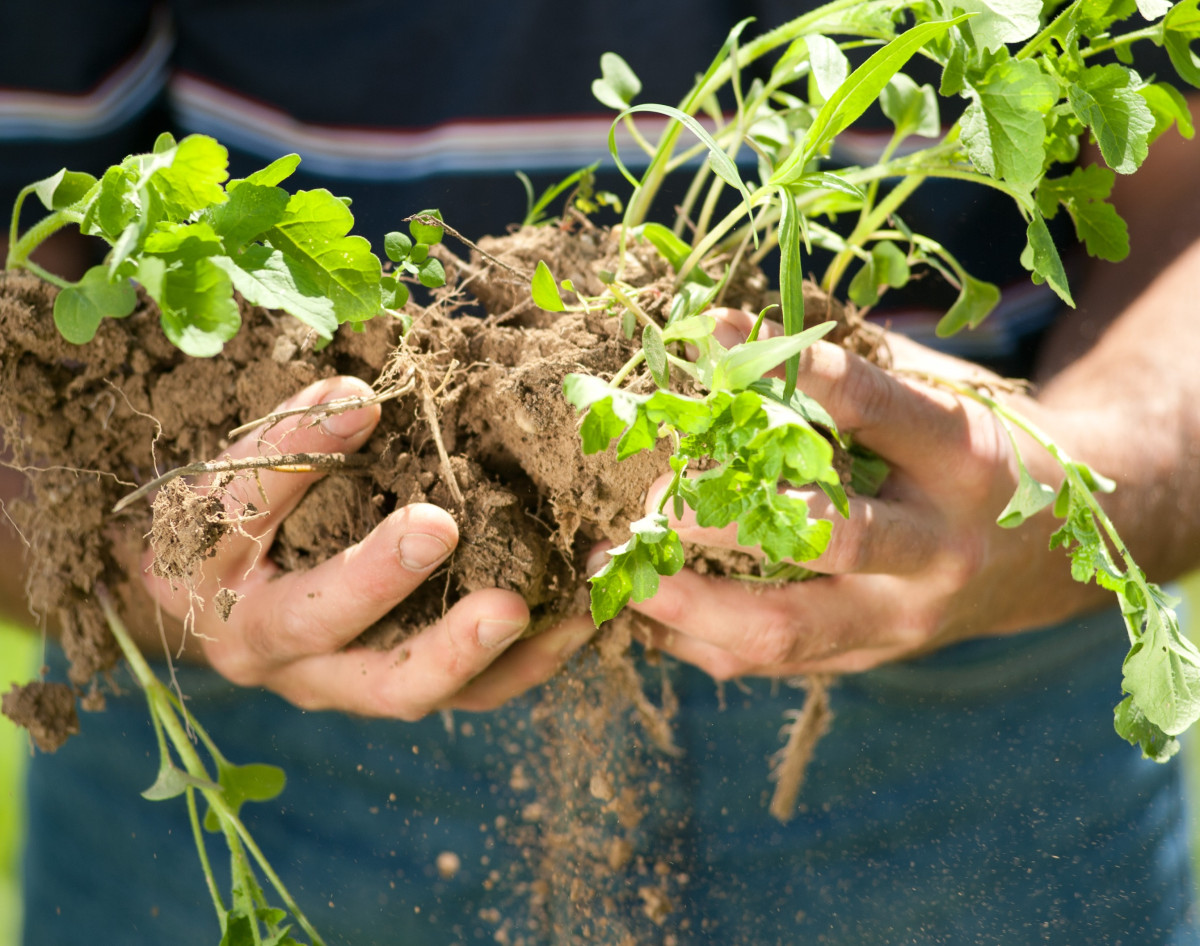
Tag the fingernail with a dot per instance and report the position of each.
(494, 633)
(347, 424)
(419, 551)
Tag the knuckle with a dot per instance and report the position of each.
(771, 643)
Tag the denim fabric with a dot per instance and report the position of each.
(978, 795)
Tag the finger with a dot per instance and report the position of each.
(321, 610)
(277, 493)
(418, 676)
(839, 624)
(524, 665)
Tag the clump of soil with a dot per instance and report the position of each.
(473, 420)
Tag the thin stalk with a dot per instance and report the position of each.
(1116, 42)
(626, 369)
(1031, 48)
(162, 707)
(202, 852)
(628, 301)
(897, 196)
(19, 249)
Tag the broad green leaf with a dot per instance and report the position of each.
(78, 309)
(431, 273)
(427, 233)
(975, 301)
(313, 237)
(193, 178)
(195, 299)
(828, 64)
(860, 90)
(1083, 194)
(689, 329)
(1106, 98)
(397, 246)
(913, 109)
(250, 212)
(114, 206)
(744, 364)
(618, 86)
(1181, 28)
(183, 241)
(1040, 257)
(265, 277)
(1030, 498)
(808, 408)
(864, 287)
(545, 289)
(1004, 126)
(1162, 672)
(1169, 107)
(255, 781)
(998, 22)
(1132, 726)
(274, 173)
(63, 188)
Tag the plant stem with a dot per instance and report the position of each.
(19, 249)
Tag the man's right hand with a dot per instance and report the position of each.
(290, 630)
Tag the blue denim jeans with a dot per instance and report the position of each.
(977, 795)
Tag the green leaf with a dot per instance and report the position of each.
(195, 299)
(656, 354)
(63, 188)
(828, 65)
(1030, 498)
(545, 289)
(427, 232)
(397, 246)
(864, 287)
(913, 109)
(192, 179)
(674, 250)
(1132, 725)
(1169, 107)
(114, 206)
(1097, 222)
(250, 212)
(78, 309)
(744, 364)
(1181, 28)
(633, 569)
(255, 781)
(689, 329)
(1106, 98)
(173, 782)
(431, 273)
(618, 86)
(274, 173)
(721, 163)
(856, 94)
(998, 22)
(1004, 126)
(1040, 256)
(791, 280)
(1162, 670)
(975, 301)
(312, 236)
(267, 278)
(1153, 9)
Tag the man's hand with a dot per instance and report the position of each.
(290, 631)
(918, 566)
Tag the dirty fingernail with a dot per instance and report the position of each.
(495, 633)
(419, 551)
(347, 424)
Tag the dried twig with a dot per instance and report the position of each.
(431, 221)
(338, 406)
(280, 463)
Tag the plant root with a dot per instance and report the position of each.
(805, 730)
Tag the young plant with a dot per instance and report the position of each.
(1032, 90)
(190, 237)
